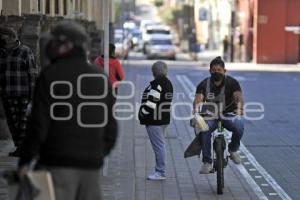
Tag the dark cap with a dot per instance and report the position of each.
(8, 31)
(217, 61)
(67, 30)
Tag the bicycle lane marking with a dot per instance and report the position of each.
(265, 174)
(190, 88)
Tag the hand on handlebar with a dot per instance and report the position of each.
(238, 112)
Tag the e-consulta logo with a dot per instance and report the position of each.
(128, 104)
(81, 95)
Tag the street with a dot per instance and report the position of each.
(273, 140)
(270, 149)
(257, 41)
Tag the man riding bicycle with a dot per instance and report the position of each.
(220, 94)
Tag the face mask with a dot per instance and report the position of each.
(216, 76)
(52, 51)
(3, 43)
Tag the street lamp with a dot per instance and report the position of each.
(105, 26)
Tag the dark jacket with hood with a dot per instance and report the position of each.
(70, 126)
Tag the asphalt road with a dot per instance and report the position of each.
(273, 141)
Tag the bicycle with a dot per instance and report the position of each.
(220, 154)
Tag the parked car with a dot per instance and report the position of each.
(144, 36)
(160, 46)
(154, 29)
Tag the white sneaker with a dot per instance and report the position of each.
(156, 176)
(206, 168)
(235, 156)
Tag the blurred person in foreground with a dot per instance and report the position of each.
(70, 131)
(116, 73)
(155, 114)
(225, 93)
(18, 74)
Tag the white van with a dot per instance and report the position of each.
(160, 46)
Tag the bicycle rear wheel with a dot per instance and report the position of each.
(219, 166)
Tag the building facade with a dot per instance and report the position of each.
(262, 31)
(32, 17)
(271, 31)
(212, 22)
(79, 9)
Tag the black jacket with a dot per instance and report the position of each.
(63, 142)
(156, 102)
(2, 112)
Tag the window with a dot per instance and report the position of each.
(153, 31)
(161, 42)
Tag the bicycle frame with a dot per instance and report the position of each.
(220, 153)
(220, 134)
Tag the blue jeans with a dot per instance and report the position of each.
(233, 124)
(156, 136)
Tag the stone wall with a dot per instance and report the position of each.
(30, 28)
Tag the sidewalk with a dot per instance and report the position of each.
(207, 56)
(6, 163)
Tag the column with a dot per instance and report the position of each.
(34, 6)
(105, 12)
(74, 6)
(70, 9)
(97, 6)
(61, 7)
(26, 4)
(111, 22)
(29, 6)
(52, 7)
(84, 9)
(89, 10)
(77, 8)
(43, 6)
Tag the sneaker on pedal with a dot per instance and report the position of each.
(206, 168)
(235, 156)
(156, 176)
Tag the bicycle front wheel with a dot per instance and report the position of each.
(219, 166)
